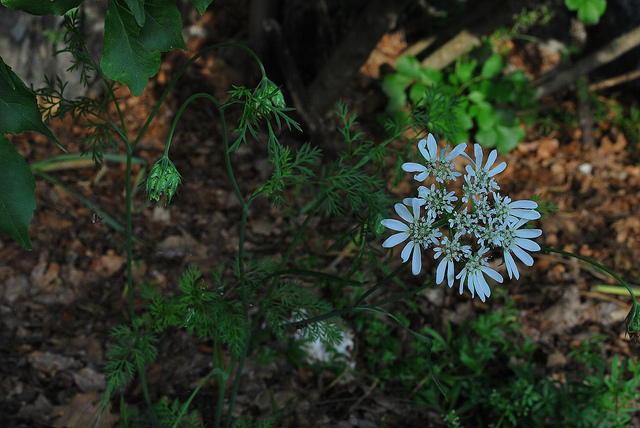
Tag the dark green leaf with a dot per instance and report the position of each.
(201, 5)
(464, 70)
(429, 76)
(416, 93)
(408, 66)
(17, 194)
(6, 74)
(137, 9)
(394, 86)
(589, 11)
(163, 28)
(486, 137)
(18, 107)
(124, 59)
(484, 114)
(508, 137)
(42, 7)
(492, 66)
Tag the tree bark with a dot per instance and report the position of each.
(343, 65)
(552, 83)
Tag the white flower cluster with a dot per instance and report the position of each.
(481, 220)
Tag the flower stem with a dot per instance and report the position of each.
(596, 264)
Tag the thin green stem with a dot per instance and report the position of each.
(185, 406)
(379, 284)
(596, 264)
(236, 383)
(241, 278)
(179, 114)
(222, 381)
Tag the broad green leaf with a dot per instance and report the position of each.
(201, 5)
(162, 30)
(137, 9)
(429, 76)
(17, 194)
(465, 120)
(484, 114)
(492, 66)
(487, 137)
(394, 86)
(464, 70)
(416, 93)
(18, 107)
(124, 59)
(589, 11)
(408, 66)
(6, 74)
(508, 137)
(42, 7)
(476, 97)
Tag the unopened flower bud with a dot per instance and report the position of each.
(268, 95)
(163, 179)
(633, 322)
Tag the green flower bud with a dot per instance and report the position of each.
(633, 322)
(268, 95)
(163, 179)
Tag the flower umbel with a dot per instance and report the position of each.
(473, 272)
(440, 166)
(418, 231)
(516, 240)
(163, 179)
(473, 224)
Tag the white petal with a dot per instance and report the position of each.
(463, 277)
(456, 151)
(524, 257)
(512, 268)
(403, 212)
(406, 251)
(394, 240)
(491, 159)
(421, 177)
(416, 263)
(498, 169)
(524, 204)
(413, 167)
(440, 271)
(528, 233)
(416, 204)
(477, 150)
(526, 244)
(394, 224)
(526, 214)
(450, 273)
(432, 146)
(492, 273)
(483, 288)
(471, 284)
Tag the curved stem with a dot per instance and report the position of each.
(164, 95)
(379, 284)
(184, 105)
(185, 406)
(593, 263)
